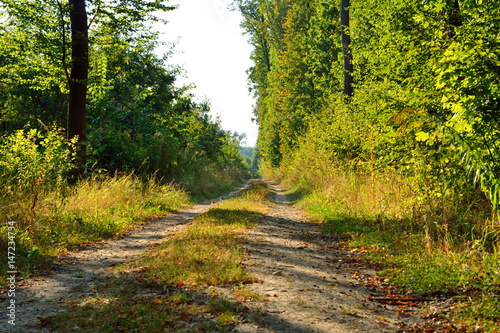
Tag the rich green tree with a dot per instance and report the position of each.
(134, 117)
(296, 46)
(60, 44)
(426, 76)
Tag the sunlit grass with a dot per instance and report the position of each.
(164, 290)
(91, 210)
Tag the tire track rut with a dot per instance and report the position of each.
(308, 284)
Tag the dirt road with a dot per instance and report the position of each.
(308, 281)
(79, 272)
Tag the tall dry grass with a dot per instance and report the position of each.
(90, 210)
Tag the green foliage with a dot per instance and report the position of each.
(35, 51)
(32, 162)
(137, 119)
(426, 93)
(51, 215)
(430, 67)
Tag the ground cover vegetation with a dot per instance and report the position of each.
(407, 163)
(174, 286)
(146, 148)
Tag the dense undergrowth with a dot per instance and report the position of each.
(52, 215)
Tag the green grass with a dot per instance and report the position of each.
(212, 182)
(424, 249)
(173, 287)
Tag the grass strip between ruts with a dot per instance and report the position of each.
(172, 287)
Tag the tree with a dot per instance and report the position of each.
(58, 50)
(78, 78)
(346, 48)
(296, 68)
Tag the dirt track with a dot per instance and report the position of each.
(79, 272)
(307, 279)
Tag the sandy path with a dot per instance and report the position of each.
(82, 270)
(310, 288)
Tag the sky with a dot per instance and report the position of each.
(215, 54)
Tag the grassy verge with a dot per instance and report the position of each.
(86, 212)
(173, 287)
(424, 249)
(212, 182)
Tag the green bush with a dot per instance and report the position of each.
(32, 164)
(32, 160)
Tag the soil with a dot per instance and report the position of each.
(308, 281)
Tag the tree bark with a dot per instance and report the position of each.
(78, 79)
(454, 18)
(346, 48)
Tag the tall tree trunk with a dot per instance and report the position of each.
(454, 17)
(78, 79)
(346, 47)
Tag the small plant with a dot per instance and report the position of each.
(227, 319)
(298, 301)
(179, 297)
(244, 294)
(222, 305)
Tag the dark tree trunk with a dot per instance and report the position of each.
(454, 18)
(78, 79)
(346, 48)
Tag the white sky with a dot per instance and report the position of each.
(215, 55)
